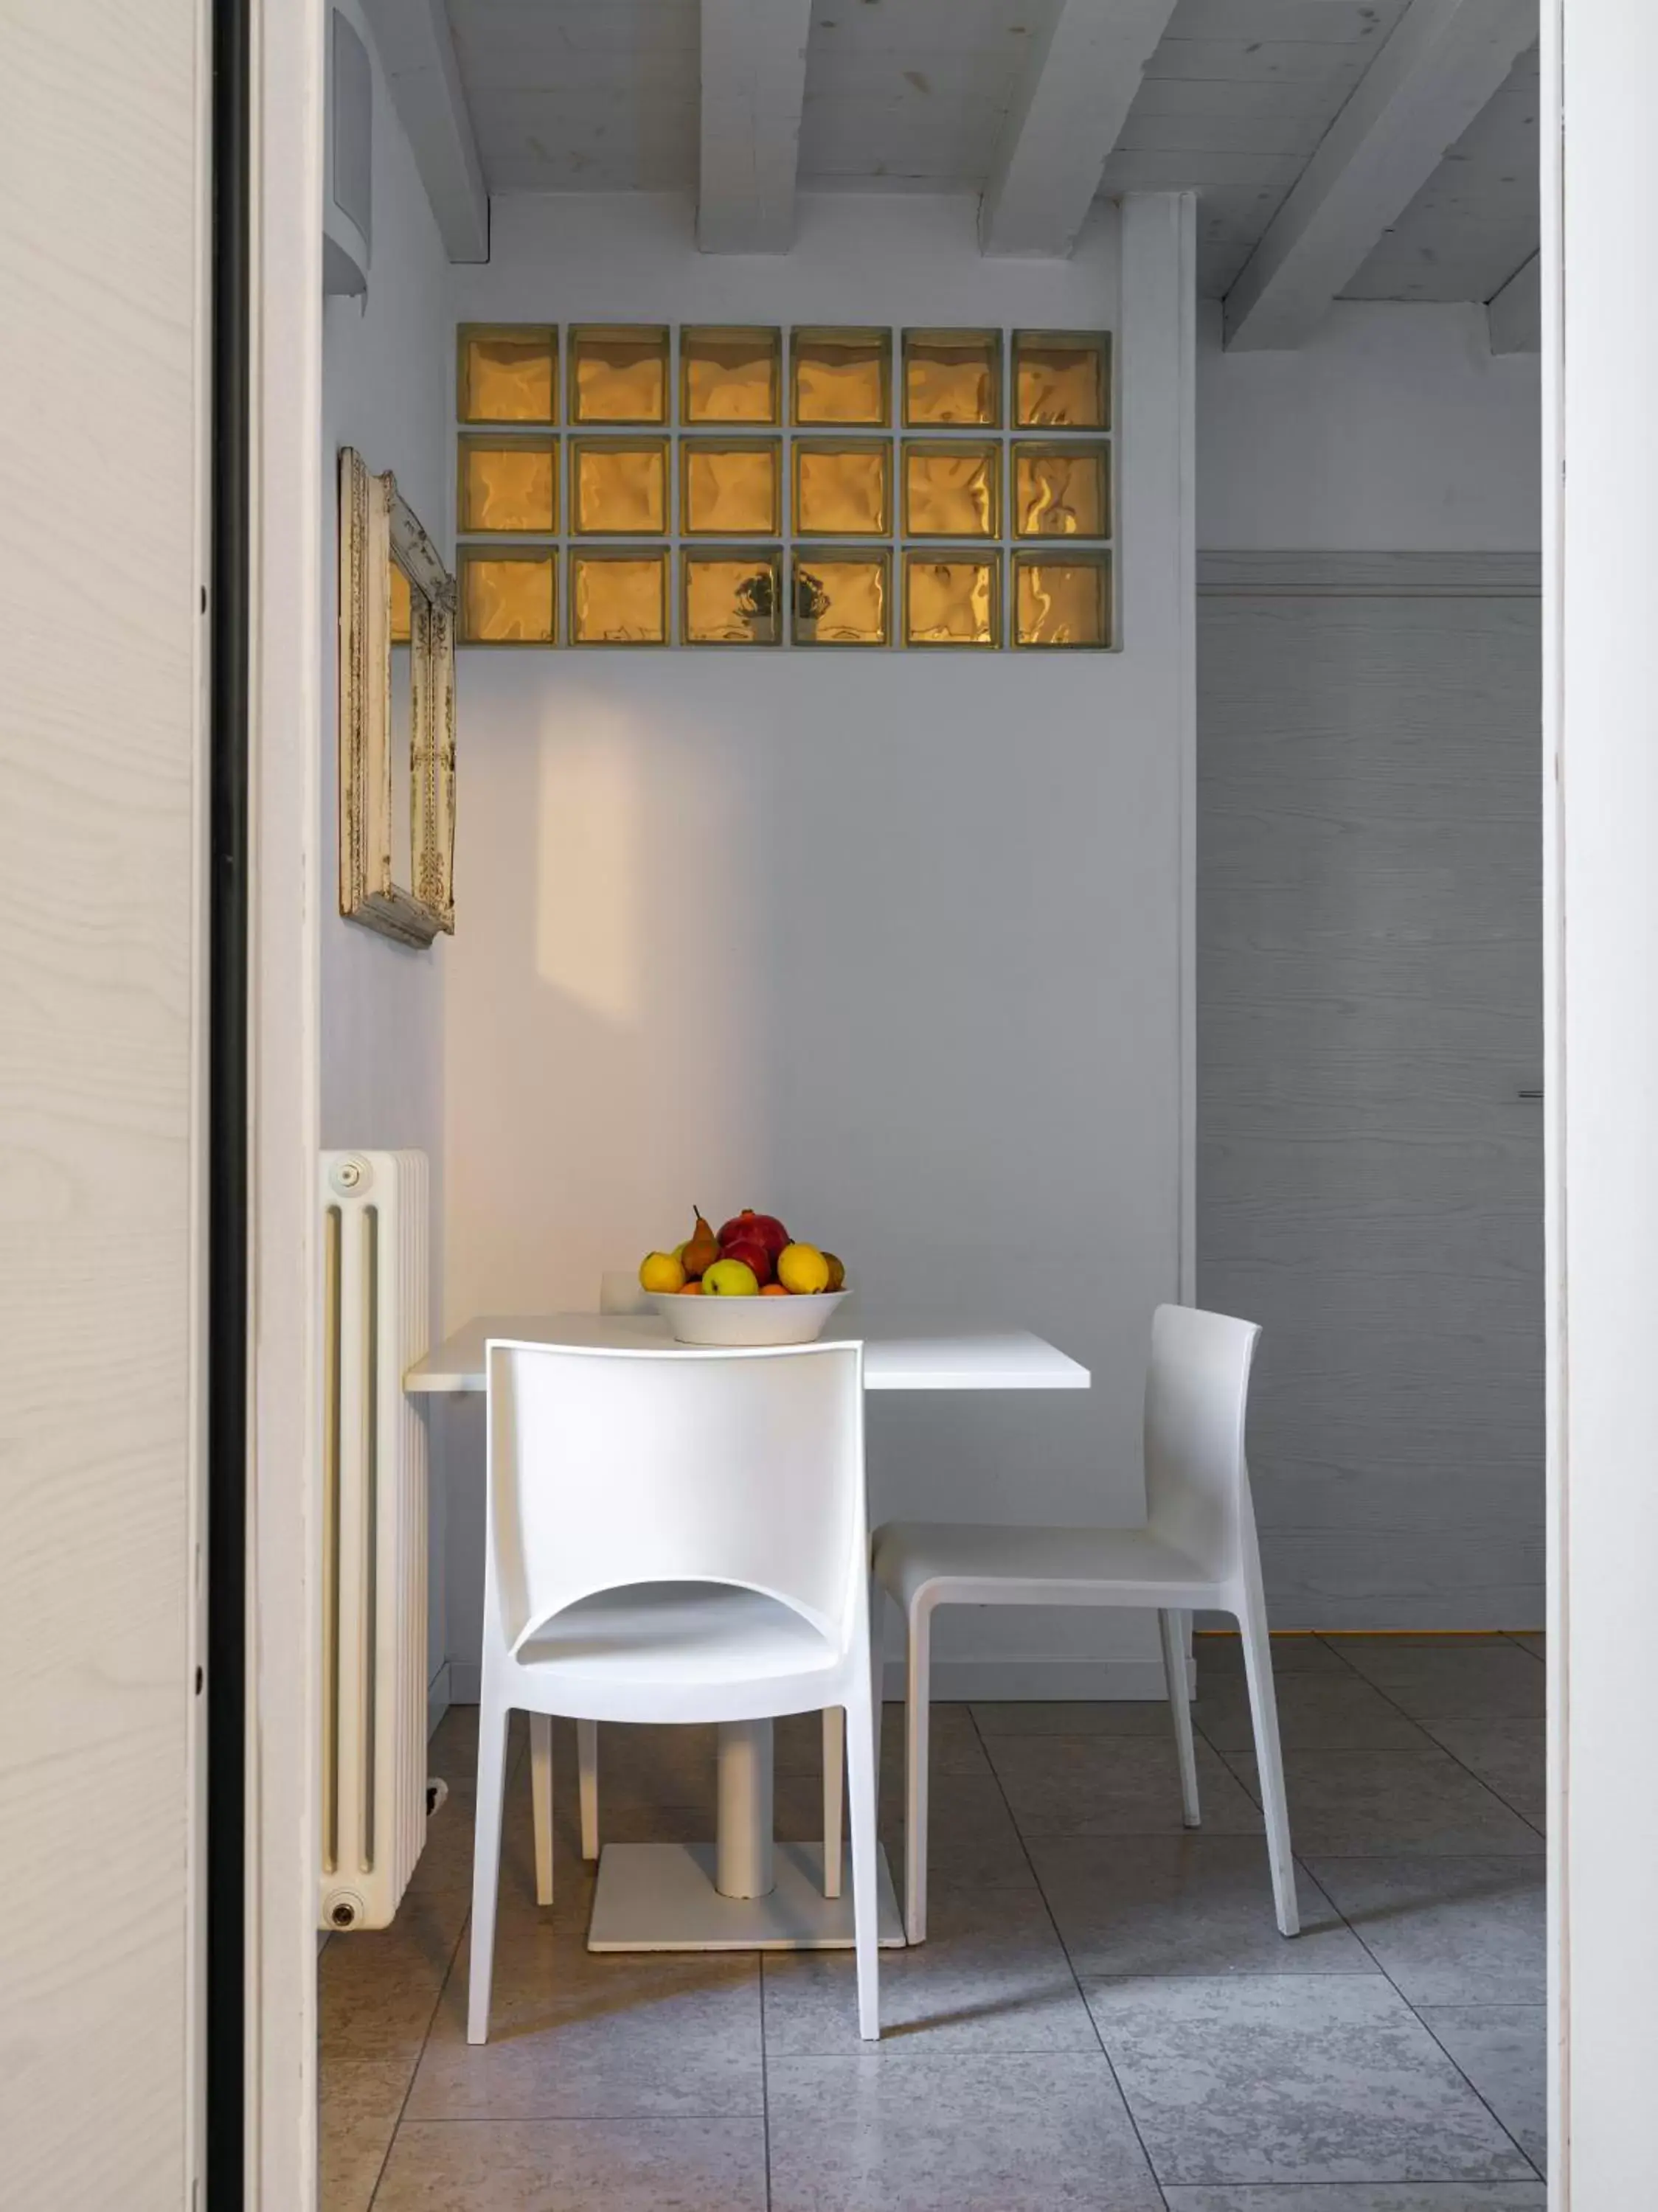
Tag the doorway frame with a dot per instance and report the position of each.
(288, 879)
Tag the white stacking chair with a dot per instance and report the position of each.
(674, 1536)
(1197, 1549)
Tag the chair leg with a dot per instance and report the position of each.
(587, 1760)
(866, 1861)
(541, 1801)
(1173, 1627)
(916, 1718)
(486, 1864)
(834, 1771)
(1269, 1761)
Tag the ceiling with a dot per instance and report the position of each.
(584, 95)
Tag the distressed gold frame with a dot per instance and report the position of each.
(376, 522)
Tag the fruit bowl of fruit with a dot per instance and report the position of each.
(751, 1283)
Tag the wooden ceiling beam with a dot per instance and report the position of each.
(754, 83)
(417, 52)
(1079, 85)
(1443, 64)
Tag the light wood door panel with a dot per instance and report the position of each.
(102, 178)
(1369, 1181)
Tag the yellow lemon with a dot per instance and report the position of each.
(803, 1269)
(661, 1271)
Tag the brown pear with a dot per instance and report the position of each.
(702, 1251)
(836, 1273)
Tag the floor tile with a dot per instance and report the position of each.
(576, 2036)
(972, 1840)
(645, 1767)
(953, 2134)
(1293, 2078)
(1448, 1931)
(1503, 2050)
(1367, 2197)
(577, 2165)
(1385, 1804)
(1077, 1717)
(1060, 1785)
(376, 1991)
(1316, 1712)
(1459, 1680)
(1222, 1656)
(1191, 1904)
(992, 1975)
(357, 2110)
(1508, 1756)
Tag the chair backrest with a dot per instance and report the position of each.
(609, 1467)
(1197, 1394)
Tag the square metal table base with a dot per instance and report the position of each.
(661, 1897)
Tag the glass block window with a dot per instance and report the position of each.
(739, 486)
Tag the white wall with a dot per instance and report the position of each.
(387, 385)
(889, 944)
(1394, 430)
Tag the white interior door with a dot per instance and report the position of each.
(1369, 1065)
(102, 181)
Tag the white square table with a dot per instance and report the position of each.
(745, 1891)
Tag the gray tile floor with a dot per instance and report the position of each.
(1104, 2018)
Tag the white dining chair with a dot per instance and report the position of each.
(674, 1536)
(1197, 1548)
(620, 1294)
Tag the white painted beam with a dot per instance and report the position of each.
(1441, 64)
(416, 52)
(753, 59)
(1516, 314)
(1079, 83)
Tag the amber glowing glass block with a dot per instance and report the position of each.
(507, 372)
(401, 623)
(509, 597)
(845, 490)
(618, 597)
(1061, 380)
(732, 597)
(841, 376)
(730, 485)
(1062, 491)
(952, 491)
(508, 485)
(730, 376)
(1062, 599)
(952, 597)
(619, 373)
(840, 595)
(618, 487)
(952, 376)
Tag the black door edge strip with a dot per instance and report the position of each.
(227, 618)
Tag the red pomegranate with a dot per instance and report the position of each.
(752, 1256)
(750, 1228)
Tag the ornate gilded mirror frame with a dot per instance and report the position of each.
(379, 530)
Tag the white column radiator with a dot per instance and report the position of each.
(375, 1309)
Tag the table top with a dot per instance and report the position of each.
(901, 1357)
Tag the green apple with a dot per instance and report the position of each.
(730, 1278)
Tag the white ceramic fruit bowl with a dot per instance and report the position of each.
(747, 1321)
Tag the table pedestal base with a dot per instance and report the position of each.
(661, 1897)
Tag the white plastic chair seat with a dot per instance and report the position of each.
(670, 1642)
(972, 1562)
